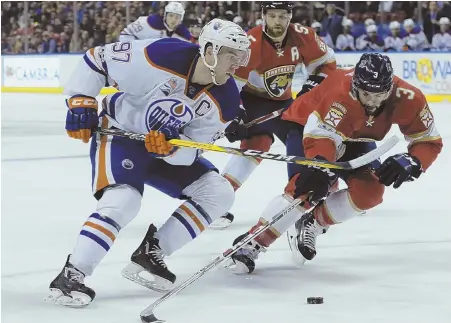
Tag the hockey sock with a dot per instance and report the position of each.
(184, 225)
(95, 239)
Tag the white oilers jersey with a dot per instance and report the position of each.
(155, 91)
(441, 42)
(368, 43)
(394, 43)
(152, 27)
(359, 42)
(327, 39)
(416, 40)
(345, 42)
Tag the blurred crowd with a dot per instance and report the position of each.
(70, 27)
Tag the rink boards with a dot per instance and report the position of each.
(429, 71)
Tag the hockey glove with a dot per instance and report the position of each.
(157, 141)
(398, 169)
(81, 118)
(312, 81)
(236, 130)
(314, 180)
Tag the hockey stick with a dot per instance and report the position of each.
(264, 118)
(147, 315)
(259, 120)
(347, 165)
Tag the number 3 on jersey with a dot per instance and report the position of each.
(407, 92)
(122, 52)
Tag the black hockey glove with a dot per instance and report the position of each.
(398, 169)
(312, 81)
(236, 130)
(313, 179)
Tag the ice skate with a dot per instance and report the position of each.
(68, 288)
(148, 258)
(302, 238)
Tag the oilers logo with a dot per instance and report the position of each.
(168, 112)
(278, 80)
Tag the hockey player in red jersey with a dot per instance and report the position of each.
(359, 105)
(277, 48)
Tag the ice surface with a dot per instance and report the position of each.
(391, 265)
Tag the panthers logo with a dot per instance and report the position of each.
(278, 80)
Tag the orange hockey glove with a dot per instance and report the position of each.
(157, 142)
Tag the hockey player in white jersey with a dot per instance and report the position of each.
(169, 89)
(415, 38)
(345, 41)
(372, 41)
(442, 40)
(156, 27)
(394, 41)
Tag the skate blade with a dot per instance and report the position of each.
(296, 255)
(159, 284)
(220, 224)
(78, 300)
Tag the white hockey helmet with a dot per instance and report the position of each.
(220, 33)
(444, 21)
(394, 25)
(175, 7)
(409, 23)
(347, 22)
(371, 29)
(369, 21)
(317, 24)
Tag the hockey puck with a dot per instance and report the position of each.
(315, 300)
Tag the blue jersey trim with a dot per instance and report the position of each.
(172, 55)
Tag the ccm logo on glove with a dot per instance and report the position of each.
(86, 102)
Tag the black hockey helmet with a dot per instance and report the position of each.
(267, 5)
(373, 76)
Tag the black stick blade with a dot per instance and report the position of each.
(150, 319)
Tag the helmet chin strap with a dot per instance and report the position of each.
(212, 67)
(167, 27)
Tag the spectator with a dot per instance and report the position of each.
(48, 44)
(301, 16)
(102, 20)
(64, 43)
(332, 22)
(430, 22)
(345, 41)
(442, 40)
(6, 47)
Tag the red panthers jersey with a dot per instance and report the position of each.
(338, 116)
(270, 70)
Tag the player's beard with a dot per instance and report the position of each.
(275, 32)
